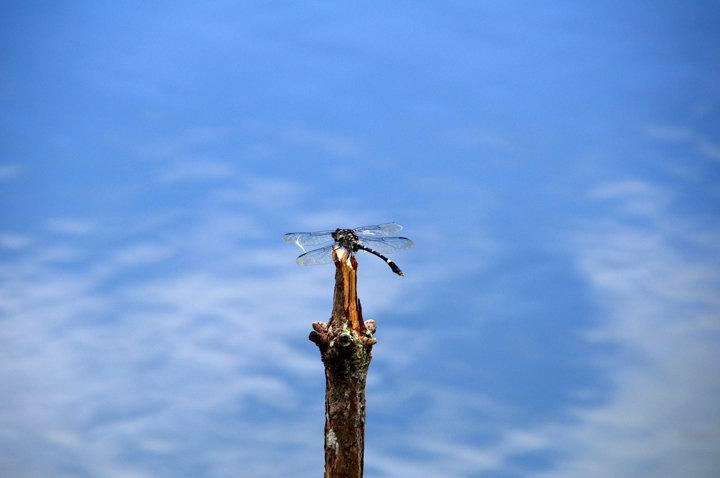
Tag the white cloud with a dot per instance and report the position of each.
(698, 142)
(71, 226)
(661, 310)
(261, 192)
(185, 337)
(143, 253)
(480, 138)
(196, 170)
(657, 295)
(14, 241)
(9, 171)
(177, 146)
(99, 364)
(633, 196)
(329, 143)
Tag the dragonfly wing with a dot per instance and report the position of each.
(308, 238)
(386, 245)
(386, 229)
(318, 256)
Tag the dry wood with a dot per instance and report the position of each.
(345, 345)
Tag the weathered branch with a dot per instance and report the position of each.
(345, 345)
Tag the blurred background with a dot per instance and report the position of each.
(557, 165)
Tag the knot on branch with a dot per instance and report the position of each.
(346, 337)
(370, 328)
(319, 335)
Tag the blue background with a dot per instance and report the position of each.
(557, 165)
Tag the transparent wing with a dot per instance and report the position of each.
(386, 229)
(318, 256)
(308, 238)
(386, 245)
(321, 237)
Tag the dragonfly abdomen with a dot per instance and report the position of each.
(392, 264)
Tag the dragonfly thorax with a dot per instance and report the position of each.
(346, 238)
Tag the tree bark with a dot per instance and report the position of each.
(345, 345)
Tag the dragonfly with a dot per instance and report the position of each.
(372, 239)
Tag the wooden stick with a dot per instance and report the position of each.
(345, 345)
